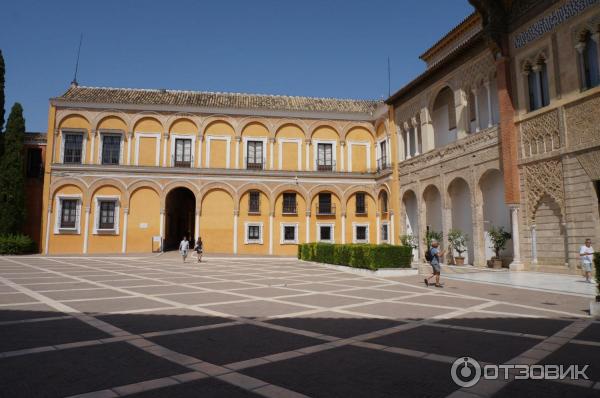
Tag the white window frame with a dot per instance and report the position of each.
(58, 215)
(248, 241)
(316, 153)
(387, 148)
(356, 225)
(174, 137)
(139, 135)
(296, 141)
(83, 132)
(318, 232)
(349, 144)
(385, 224)
(101, 135)
(107, 198)
(245, 149)
(282, 239)
(210, 138)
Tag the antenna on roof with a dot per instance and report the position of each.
(389, 79)
(74, 82)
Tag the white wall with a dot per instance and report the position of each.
(443, 136)
(433, 206)
(461, 214)
(412, 219)
(495, 211)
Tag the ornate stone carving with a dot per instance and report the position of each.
(544, 178)
(582, 122)
(540, 134)
(590, 161)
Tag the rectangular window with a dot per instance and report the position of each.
(384, 233)
(183, 152)
(325, 207)
(107, 214)
(325, 233)
(383, 163)
(289, 203)
(361, 234)
(384, 202)
(324, 157)
(361, 206)
(254, 233)
(254, 202)
(34, 162)
(111, 148)
(68, 213)
(254, 159)
(289, 233)
(73, 147)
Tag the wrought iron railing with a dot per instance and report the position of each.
(325, 209)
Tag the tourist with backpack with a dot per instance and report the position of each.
(432, 256)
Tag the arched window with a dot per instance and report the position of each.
(588, 60)
(384, 202)
(537, 84)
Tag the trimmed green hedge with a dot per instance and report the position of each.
(16, 244)
(366, 256)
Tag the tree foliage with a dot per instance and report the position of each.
(12, 179)
(1, 103)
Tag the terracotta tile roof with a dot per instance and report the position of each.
(107, 95)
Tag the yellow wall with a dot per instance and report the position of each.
(359, 152)
(147, 149)
(144, 208)
(369, 218)
(288, 249)
(336, 220)
(253, 248)
(218, 147)
(66, 243)
(216, 222)
(102, 243)
(218, 154)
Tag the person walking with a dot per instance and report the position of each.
(198, 249)
(434, 259)
(184, 247)
(586, 253)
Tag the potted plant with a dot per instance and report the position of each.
(430, 236)
(411, 241)
(499, 237)
(458, 241)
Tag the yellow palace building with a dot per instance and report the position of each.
(133, 171)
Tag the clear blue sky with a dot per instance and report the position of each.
(309, 47)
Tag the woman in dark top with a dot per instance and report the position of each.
(198, 249)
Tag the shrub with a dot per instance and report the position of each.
(16, 244)
(458, 241)
(357, 255)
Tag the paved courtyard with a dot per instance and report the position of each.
(244, 327)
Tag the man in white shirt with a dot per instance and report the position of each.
(586, 254)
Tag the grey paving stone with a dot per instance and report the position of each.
(80, 370)
(242, 341)
(400, 311)
(358, 372)
(576, 354)
(256, 308)
(205, 388)
(324, 300)
(114, 305)
(202, 298)
(268, 291)
(15, 298)
(459, 343)
(537, 326)
(27, 311)
(544, 388)
(83, 294)
(591, 333)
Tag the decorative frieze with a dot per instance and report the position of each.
(582, 122)
(544, 178)
(540, 134)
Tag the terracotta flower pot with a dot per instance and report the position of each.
(496, 263)
(459, 260)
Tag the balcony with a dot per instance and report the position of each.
(383, 164)
(361, 210)
(254, 164)
(326, 166)
(289, 209)
(325, 209)
(181, 163)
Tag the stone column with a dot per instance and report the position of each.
(538, 85)
(343, 228)
(93, 134)
(271, 153)
(307, 226)
(446, 227)
(162, 229)
(129, 146)
(237, 140)
(199, 157)
(478, 236)
(125, 216)
(86, 225)
(342, 146)
(489, 102)
(197, 224)
(307, 154)
(392, 229)
(271, 214)
(422, 214)
(236, 214)
(54, 146)
(534, 257)
(377, 228)
(165, 141)
(516, 264)
(400, 150)
(407, 131)
(461, 111)
(596, 38)
(415, 126)
(427, 133)
(48, 221)
(476, 103)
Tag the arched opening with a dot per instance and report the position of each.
(444, 118)
(549, 233)
(411, 220)
(180, 211)
(462, 218)
(495, 211)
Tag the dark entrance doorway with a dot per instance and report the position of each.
(180, 217)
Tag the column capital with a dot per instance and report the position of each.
(486, 84)
(307, 213)
(198, 212)
(87, 209)
(199, 136)
(536, 67)
(166, 135)
(272, 140)
(343, 214)
(413, 122)
(125, 210)
(162, 211)
(56, 131)
(129, 134)
(237, 138)
(307, 141)
(596, 37)
(580, 46)
(94, 132)
(514, 206)
(271, 214)
(236, 213)
(342, 142)
(377, 214)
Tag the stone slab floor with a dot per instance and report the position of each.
(247, 327)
